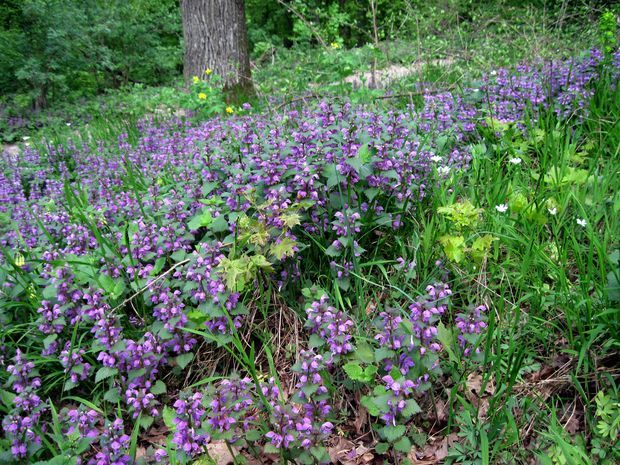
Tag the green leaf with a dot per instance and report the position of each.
(271, 449)
(219, 224)
(158, 388)
(261, 262)
(184, 359)
(370, 405)
(315, 341)
(411, 408)
(199, 220)
(403, 445)
(481, 246)
(354, 371)
(382, 353)
(382, 447)
(332, 251)
(252, 435)
(105, 372)
(7, 398)
(112, 396)
(363, 351)
(291, 219)
(392, 433)
(332, 175)
(284, 248)
(169, 415)
(453, 247)
(446, 337)
(365, 153)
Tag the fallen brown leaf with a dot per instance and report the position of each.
(433, 452)
(220, 453)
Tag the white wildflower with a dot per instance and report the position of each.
(502, 208)
(443, 170)
(436, 158)
(581, 222)
(552, 211)
(515, 161)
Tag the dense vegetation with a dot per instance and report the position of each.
(421, 273)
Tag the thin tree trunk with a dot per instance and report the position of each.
(216, 38)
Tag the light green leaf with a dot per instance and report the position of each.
(158, 388)
(105, 372)
(392, 433)
(184, 359)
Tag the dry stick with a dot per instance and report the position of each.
(303, 20)
(414, 94)
(149, 284)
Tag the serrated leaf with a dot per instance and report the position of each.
(363, 351)
(284, 248)
(403, 445)
(411, 408)
(332, 251)
(446, 337)
(315, 341)
(382, 447)
(219, 224)
(332, 175)
(370, 405)
(158, 388)
(199, 220)
(261, 262)
(291, 219)
(382, 353)
(354, 371)
(7, 398)
(453, 247)
(252, 435)
(169, 415)
(112, 396)
(271, 449)
(184, 359)
(392, 433)
(104, 373)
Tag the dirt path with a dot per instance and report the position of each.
(386, 76)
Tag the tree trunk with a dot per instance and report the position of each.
(216, 38)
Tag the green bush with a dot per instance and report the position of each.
(67, 49)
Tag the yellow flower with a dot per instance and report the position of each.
(202, 96)
(335, 45)
(208, 71)
(229, 110)
(196, 79)
(19, 260)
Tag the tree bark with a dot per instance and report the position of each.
(216, 38)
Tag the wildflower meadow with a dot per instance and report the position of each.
(330, 279)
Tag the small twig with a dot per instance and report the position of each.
(417, 93)
(302, 98)
(303, 20)
(149, 284)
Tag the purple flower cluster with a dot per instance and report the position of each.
(113, 445)
(333, 326)
(302, 423)
(20, 425)
(471, 326)
(412, 347)
(74, 364)
(565, 87)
